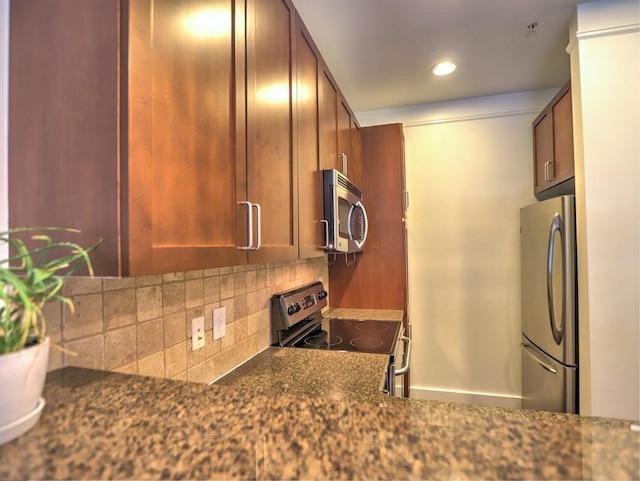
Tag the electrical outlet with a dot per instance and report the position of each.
(219, 322)
(197, 333)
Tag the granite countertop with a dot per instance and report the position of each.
(331, 374)
(104, 425)
(370, 314)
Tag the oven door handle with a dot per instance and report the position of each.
(407, 356)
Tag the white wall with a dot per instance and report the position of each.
(4, 73)
(469, 170)
(605, 68)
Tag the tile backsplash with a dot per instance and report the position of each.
(142, 325)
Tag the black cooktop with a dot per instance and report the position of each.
(356, 335)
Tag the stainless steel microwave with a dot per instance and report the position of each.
(345, 217)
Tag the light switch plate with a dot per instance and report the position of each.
(219, 322)
(197, 333)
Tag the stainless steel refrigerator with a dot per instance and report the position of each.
(549, 306)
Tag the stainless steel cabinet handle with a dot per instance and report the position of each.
(258, 227)
(326, 234)
(249, 225)
(543, 364)
(548, 175)
(406, 199)
(344, 163)
(407, 357)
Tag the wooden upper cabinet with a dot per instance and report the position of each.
(271, 128)
(328, 121)
(553, 147)
(355, 160)
(344, 137)
(124, 118)
(311, 229)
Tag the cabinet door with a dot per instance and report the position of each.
(328, 114)
(183, 163)
(63, 122)
(311, 228)
(355, 161)
(553, 146)
(271, 128)
(344, 137)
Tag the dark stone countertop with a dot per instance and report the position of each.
(104, 425)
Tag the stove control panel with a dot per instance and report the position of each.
(291, 307)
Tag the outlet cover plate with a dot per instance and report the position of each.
(197, 333)
(219, 322)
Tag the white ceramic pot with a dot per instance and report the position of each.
(22, 376)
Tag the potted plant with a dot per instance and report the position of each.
(32, 274)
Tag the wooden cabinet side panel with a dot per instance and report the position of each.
(377, 280)
(328, 114)
(344, 137)
(309, 175)
(563, 138)
(63, 121)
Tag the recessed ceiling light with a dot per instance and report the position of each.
(444, 68)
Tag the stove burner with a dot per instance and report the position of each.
(372, 326)
(320, 340)
(362, 343)
(341, 322)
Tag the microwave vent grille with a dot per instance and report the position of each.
(344, 182)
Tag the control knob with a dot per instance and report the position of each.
(293, 308)
(322, 294)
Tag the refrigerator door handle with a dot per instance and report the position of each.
(543, 364)
(556, 226)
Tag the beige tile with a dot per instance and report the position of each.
(212, 272)
(239, 268)
(263, 338)
(131, 368)
(145, 281)
(252, 345)
(74, 286)
(261, 279)
(56, 359)
(251, 279)
(226, 270)
(241, 329)
(230, 338)
(252, 302)
(173, 277)
(194, 293)
(150, 337)
(252, 324)
(119, 308)
(197, 373)
(240, 306)
(175, 359)
(86, 318)
(263, 320)
(208, 315)
(226, 286)
(212, 347)
(116, 283)
(228, 304)
(152, 365)
(120, 347)
(239, 283)
(195, 357)
(89, 352)
(181, 376)
(149, 302)
(197, 274)
(271, 276)
(173, 297)
(175, 329)
(210, 367)
(211, 289)
(52, 313)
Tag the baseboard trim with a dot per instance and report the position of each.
(484, 399)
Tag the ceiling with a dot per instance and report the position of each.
(380, 51)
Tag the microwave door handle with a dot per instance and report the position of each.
(325, 223)
(366, 225)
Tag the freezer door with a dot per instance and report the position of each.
(547, 385)
(549, 277)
